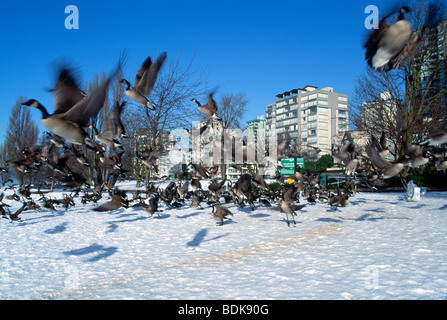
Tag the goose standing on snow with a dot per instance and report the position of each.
(69, 121)
(387, 168)
(220, 214)
(145, 81)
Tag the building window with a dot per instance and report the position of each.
(313, 96)
(312, 125)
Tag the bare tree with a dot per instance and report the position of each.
(22, 133)
(232, 109)
(176, 86)
(4, 173)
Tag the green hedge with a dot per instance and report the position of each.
(433, 179)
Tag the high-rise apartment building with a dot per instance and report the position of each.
(312, 117)
(255, 130)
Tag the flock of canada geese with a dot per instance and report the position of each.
(386, 49)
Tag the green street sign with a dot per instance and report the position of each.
(300, 162)
(290, 165)
(288, 162)
(287, 172)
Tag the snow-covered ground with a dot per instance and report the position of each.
(378, 247)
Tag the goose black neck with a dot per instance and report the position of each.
(198, 103)
(127, 84)
(95, 129)
(45, 113)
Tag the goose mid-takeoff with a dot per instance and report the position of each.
(390, 46)
(209, 109)
(68, 119)
(145, 81)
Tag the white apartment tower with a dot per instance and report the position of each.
(312, 117)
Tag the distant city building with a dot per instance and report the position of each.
(376, 116)
(434, 70)
(312, 117)
(167, 143)
(256, 130)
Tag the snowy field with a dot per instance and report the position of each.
(378, 247)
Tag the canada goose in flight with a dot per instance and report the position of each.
(116, 201)
(55, 139)
(441, 162)
(387, 168)
(415, 156)
(70, 124)
(243, 185)
(149, 157)
(15, 216)
(196, 132)
(351, 166)
(287, 208)
(67, 92)
(388, 46)
(373, 181)
(383, 145)
(436, 137)
(183, 189)
(145, 81)
(195, 183)
(217, 188)
(210, 109)
(220, 214)
(259, 181)
(153, 206)
(345, 154)
(113, 127)
(201, 170)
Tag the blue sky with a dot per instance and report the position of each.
(259, 48)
